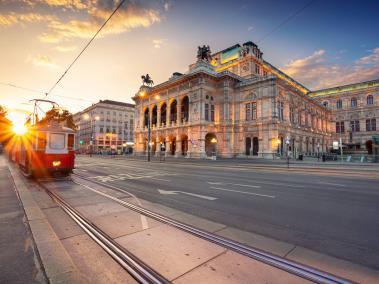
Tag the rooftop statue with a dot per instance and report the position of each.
(146, 79)
(204, 53)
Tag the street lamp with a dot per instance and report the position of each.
(142, 94)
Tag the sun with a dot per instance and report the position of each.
(18, 121)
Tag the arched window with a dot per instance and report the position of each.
(353, 102)
(339, 104)
(173, 111)
(154, 118)
(184, 113)
(163, 114)
(146, 118)
(325, 104)
(370, 100)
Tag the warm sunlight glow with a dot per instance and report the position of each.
(18, 121)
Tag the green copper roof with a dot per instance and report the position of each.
(346, 88)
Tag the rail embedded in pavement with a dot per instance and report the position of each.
(300, 270)
(136, 268)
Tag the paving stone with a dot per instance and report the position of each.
(123, 223)
(257, 241)
(198, 222)
(170, 251)
(351, 271)
(231, 267)
(43, 200)
(61, 223)
(100, 209)
(93, 262)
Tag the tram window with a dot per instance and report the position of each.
(70, 142)
(57, 141)
(41, 141)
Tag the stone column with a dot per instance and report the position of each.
(159, 117)
(178, 112)
(178, 150)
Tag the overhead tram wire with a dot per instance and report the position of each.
(286, 21)
(41, 92)
(85, 47)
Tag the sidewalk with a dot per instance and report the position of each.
(18, 260)
(309, 163)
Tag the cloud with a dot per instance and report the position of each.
(122, 21)
(316, 72)
(157, 43)
(88, 17)
(65, 48)
(13, 18)
(250, 28)
(373, 58)
(74, 4)
(42, 61)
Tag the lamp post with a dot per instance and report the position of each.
(141, 95)
(318, 151)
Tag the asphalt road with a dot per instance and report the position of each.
(335, 214)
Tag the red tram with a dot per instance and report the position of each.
(45, 150)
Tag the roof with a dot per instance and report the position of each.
(345, 88)
(109, 102)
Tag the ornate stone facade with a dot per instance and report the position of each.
(232, 104)
(355, 109)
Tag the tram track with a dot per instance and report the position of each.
(292, 267)
(140, 271)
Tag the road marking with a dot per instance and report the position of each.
(243, 192)
(144, 223)
(329, 183)
(237, 184)
(167, 192)
(161, 179)
(84, 170)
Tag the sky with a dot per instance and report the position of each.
(328, 43)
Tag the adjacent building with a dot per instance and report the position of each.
(355, 113)
(105, 126)
(231, 104)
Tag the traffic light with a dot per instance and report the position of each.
(81, 142)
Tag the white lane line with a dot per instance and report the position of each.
(243, 192)
(169, 192)
(246, 185)
(161, 179)
(84, 170)
(144, 222)
(329, 183)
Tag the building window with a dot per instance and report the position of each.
(370, 100)
(281, 111)
(257, 69)
(325, 104)
(212, 113)
(340, 127)
(114, 130)
(206, 112)
(371, 124)
(101, 130)
(248, 111)
(339, 104)
(353, 102)
(292, 115)
(253, 111)
(354, 125)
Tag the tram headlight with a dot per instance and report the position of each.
(56, 163)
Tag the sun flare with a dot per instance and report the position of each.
(18, 121)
